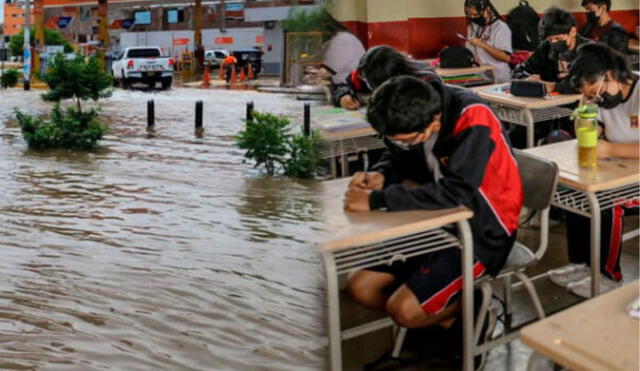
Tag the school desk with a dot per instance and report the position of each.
(343, 133)
(587, 192)
(359, 240)
(595, 335)
(525, 111)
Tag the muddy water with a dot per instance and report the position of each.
(160, 251)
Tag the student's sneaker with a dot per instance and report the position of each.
(563, 276)
(583, 288)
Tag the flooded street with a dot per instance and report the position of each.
(161, 251)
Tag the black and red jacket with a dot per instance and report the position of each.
(479, 172)
(355, 86)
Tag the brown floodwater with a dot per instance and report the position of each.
(157, 251)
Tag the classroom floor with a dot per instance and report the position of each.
(510, 357)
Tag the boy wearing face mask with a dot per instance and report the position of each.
(601, 27)
(449, 142)
(550, 62)
(489, 37)
(603, 76)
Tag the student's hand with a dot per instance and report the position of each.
(534, 78)
(357, 199)
(603, 149)
(475, 41)
(369, 180)
(347, 102)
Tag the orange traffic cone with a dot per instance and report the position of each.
(221, 72)
(251, 75)
(242, 75)
(206, 81)
(234, 78)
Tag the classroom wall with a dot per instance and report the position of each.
(423, 27)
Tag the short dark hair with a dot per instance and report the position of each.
(594, 60)
(402, 105)
(555, 21)
(481, 5)
(607, 3)
(382, 62)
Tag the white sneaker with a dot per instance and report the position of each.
(583, 288)
(563, 276)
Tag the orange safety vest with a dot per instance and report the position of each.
(230, 60)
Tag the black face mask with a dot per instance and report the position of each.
(560, 46)
(480, 21)
(610, 101)
(592, 17)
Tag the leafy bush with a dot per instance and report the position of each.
(304, 156)
(9, 78)
(72, 129)
(268, 141)
(76, 79)
(51, 37)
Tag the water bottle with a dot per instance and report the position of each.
(586, 124)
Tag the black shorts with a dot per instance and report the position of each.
(435, 278)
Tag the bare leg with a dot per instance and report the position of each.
(369, 288)
(406, 310)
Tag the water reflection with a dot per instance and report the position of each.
(156, 252)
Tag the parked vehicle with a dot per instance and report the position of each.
(249, 56)
(214, 57)
(142, 65)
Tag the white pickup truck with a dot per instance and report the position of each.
(142, 64)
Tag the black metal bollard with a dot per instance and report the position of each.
(151, 113)
(249, 111)
(307, 119)
(199, 109)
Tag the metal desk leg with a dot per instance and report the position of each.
(333, 316)
(467, 295)
(530, 130)
(345, 165)
(333, 167)
(595, 243)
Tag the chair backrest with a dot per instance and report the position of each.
(539, 179)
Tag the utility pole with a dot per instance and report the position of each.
(223, 18)
(27, 46)
(103, 29)
(38, 12)
(197, 35)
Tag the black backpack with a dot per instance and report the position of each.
(456, 57)
(523, 21)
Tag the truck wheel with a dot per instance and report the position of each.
(116, 82)
(166, 83)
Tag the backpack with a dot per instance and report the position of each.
(456, 57)
(523, 21)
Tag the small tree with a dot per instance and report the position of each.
(51, 37)
(72, 128)
(265, 139)
(269, 143)
(9, 78)
(76, 79)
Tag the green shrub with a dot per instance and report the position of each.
(9, 78)
(51, 37)
(71, 129)
(304, 157)
(268, 141)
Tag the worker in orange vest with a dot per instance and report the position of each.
(229, 64)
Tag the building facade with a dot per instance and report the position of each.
(14, 17)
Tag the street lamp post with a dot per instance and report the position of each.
(27, 46)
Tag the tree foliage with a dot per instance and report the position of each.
(9, 78)
(51, 37)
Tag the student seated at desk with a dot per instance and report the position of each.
(376, 66)
(551, 60)
(489, 37)
(452, 145)
(604, 78)
(601, 27)
(550, 63)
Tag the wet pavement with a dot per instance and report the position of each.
(166, 250)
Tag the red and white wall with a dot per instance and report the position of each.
(423, 27)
